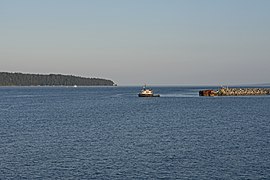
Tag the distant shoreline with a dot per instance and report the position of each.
(50, 80)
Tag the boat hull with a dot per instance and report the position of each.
(148, 95)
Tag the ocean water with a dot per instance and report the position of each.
(110, 133)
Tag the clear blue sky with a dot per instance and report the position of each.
(158, 42)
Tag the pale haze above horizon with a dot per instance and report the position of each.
(133, 42)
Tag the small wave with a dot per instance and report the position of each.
(25, 96)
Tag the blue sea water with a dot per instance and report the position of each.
(110, 133)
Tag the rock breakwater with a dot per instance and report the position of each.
(236, 92)
(243, 91)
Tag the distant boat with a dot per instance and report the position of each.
(75, 86)
(147, 93)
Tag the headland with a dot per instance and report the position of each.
(20, 79)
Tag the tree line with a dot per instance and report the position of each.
(20, 79)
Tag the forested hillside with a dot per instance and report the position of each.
(20, 79)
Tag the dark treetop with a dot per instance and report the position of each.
(19, 79)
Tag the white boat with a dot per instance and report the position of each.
(147, 93)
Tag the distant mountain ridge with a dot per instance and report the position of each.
(21, 79)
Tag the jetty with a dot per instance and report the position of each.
(236, 92)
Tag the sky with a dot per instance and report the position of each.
(136, 42)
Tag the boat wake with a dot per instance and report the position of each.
(180, 95)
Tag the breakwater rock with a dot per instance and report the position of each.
(243, 91)
(236, 92)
